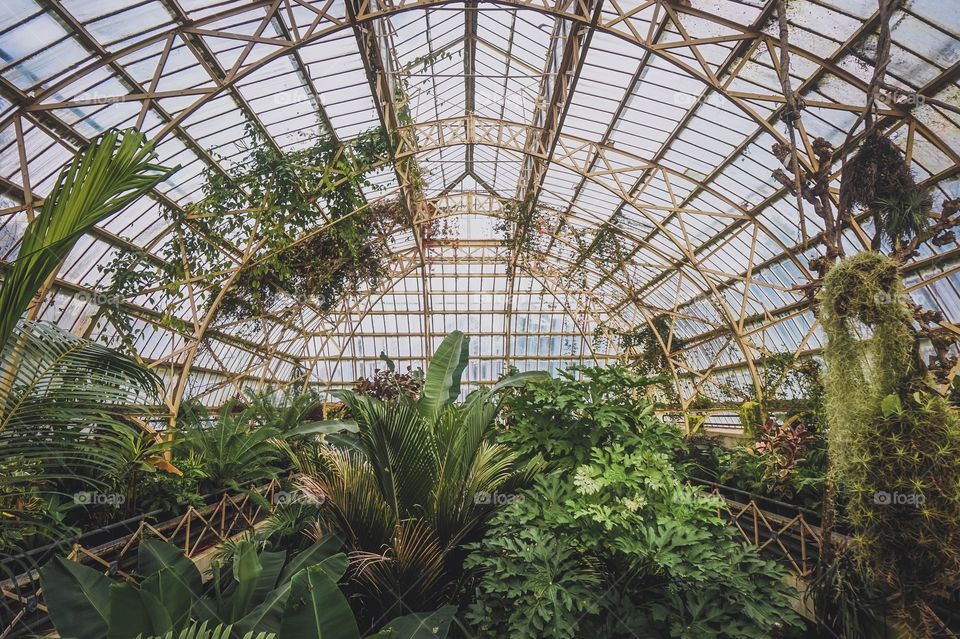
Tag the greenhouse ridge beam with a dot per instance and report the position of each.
(544, 132)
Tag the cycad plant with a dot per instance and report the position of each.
(421, 481)
(232, 449)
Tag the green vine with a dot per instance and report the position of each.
(278, 200)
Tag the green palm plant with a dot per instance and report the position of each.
(232, 449)
(114, 170)
(64, 420)
(285, 410)
(138, 453)
(421, 481)
(289, 412)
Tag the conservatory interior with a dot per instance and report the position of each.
(521, 319)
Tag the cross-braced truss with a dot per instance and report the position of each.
(640, 132)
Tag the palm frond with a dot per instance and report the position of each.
(351, 498)
(206, 631)
(65, 419)
(114, 170)
(407, 576)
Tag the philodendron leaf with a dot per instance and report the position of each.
(428, 625)
(77, 597)
(316, 609)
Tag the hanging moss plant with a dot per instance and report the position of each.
(894, 442)
(868, 354)
(751, 418)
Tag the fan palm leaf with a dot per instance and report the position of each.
(111, 172)
(65, 418)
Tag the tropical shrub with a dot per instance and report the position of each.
(388, 383)
(417, 485)
(66, 418)
(252, 591)
(614, 543)
(564, 419)
(172, 492)
(232, 450)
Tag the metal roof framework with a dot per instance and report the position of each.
(653, 120)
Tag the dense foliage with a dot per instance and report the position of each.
(251, 591)
(387, 383)
(67, 429)
(406, 497)
(613, 543)
(784, 452)
(298, 219)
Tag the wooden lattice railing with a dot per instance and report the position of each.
(22, 610)
(789, 534)
(792, 536)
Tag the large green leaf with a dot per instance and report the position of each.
(520, 379)
(430, 625)
(246, 573)
(154, 555)
(173, 593)
(111, 172)
(316, 609)
(271, 564)
(269, 615)
(441, 385)
(77, 597)
(325, 427)
(316, 553)
(134, 612)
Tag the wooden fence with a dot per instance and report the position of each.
(22, 610)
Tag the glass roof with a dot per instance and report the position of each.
(643, 130)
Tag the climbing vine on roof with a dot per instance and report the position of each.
(298, 221)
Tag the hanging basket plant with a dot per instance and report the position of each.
(878, 179)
